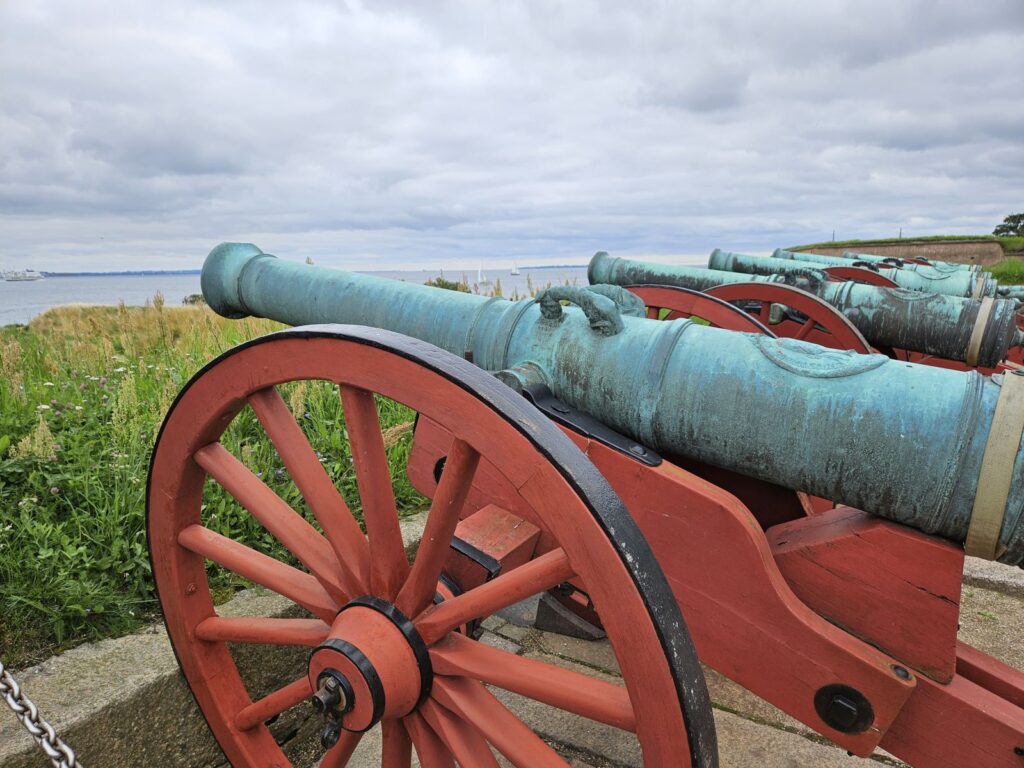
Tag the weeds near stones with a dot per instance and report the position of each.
(83, 392)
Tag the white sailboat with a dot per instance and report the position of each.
(515, 268)
(481, 279)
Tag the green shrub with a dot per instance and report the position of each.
(441, 282)
(83, 391)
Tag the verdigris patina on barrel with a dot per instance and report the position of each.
(899, 440)
(930, 323)
(918, 277)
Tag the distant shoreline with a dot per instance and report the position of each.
(159, 272)
(136, 273)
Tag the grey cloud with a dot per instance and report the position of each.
(443, 134)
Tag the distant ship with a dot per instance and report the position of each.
(22, 275)
(481, 279)
(515, 268)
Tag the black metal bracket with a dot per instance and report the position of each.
(478, 556)
(587, 425)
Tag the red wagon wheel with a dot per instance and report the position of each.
(861, 275)
(685, 302)
(382, 651)
(817, 321)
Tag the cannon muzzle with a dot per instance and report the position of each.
(907, 442)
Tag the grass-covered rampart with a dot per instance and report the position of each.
(83, 391)
(1010, 245)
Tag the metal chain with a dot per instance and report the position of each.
(60, 754)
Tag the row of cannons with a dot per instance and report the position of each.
(773, 466)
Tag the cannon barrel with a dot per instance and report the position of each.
(899, 440)
(942, 266)
(947, 283)
(918, 277)
(896, 318)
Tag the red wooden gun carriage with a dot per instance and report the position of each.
(845, 620)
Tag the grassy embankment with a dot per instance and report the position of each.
(82, 394)
(1010, 271)
(1012, 246)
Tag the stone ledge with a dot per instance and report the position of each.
(998, 577)
(123, 702)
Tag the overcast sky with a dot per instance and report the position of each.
(139, 135)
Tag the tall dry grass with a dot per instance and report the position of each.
(83, 392)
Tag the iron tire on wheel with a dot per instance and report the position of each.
(448, 714)
(821, 323)
(685, 302)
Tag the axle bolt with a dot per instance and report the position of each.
(329, 697)
(843, 708)
(842, 713)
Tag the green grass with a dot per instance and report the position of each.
(83, 392)
(1008, 271)
(1010, 244)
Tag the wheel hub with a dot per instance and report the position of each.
(373, 665)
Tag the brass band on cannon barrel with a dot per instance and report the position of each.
(977, 331)
(903, 441)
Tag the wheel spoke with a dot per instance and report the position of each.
(396, 749)
(805, 329)
(262, 631)
(419, 588)
(312, 480)
(535, 576)
(339, 755)
(464, 741)
(284, 523)
(273, 704)
(429, 748)
(471, 701)
(765, 312)
(388, 566)
(559, 687)
(290, 582)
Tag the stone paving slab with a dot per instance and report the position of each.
(743, 742)
(131, 685)
(123, 701)
(101, 696)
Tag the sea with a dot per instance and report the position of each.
(22, 301)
